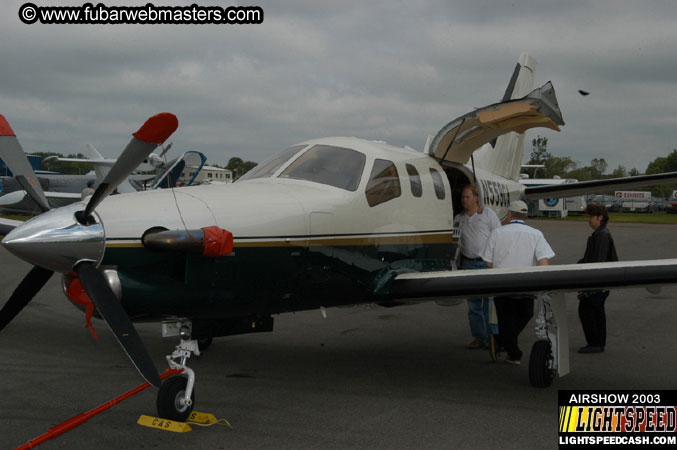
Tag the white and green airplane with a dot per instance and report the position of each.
(328, 222)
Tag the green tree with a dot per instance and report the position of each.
(240, 167)
(599, 165)
(661, 165)
(234, 163)
(559, 166)
(619, 172)
(539, 152)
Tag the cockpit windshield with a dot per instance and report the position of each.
(336, 166)
(268, 167)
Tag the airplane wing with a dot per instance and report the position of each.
(425, 286)
(607, 186)
(458, 139)
(103, 162)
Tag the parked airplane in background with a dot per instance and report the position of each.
(327, 222)
(61, 190)
(553, 206)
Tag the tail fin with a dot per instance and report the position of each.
(94, 152)
(503, 156)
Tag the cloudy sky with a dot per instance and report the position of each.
(389, 70)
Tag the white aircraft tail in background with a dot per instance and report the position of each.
(503, 156)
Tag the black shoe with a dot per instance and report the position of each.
(590, 349)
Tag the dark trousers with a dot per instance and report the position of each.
(514, 313)
(593, 318)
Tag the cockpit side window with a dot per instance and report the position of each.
(384, 183)
(414, 181)
(268, 167)
(336, 166)
(438, 183)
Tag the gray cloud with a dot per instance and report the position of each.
(381, 70)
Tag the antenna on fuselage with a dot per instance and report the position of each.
(426, 147)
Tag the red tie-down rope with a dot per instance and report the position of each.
(84, 417)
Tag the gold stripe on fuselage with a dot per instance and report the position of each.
(365, 241)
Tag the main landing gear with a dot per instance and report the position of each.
(176, 397)
(550, 354)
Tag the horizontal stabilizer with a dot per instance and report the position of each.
(598, 186)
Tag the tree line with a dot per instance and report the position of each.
(566, 167)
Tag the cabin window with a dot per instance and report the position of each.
(384, 183)
(414, 181)
(438, 184)
(336, 166)
(268, 167)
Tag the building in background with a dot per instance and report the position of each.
(207, 174)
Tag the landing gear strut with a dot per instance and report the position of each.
(176, 397)
(550, 354)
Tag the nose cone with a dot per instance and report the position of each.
(56, 241)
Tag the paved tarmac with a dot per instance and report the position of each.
(364, 378)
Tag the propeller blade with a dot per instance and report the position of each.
(15, 158)
(115, 316)
(24, 293)
(34, 193)
(151, 134)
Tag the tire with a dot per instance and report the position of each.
(540, 362)
(204, 343)
(168, 406)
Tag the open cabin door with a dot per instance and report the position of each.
(458, 139)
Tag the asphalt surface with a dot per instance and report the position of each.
(364, 377)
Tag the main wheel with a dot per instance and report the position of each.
(541, 360)
(204, 343)
(168, 399)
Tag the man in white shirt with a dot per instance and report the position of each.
(515, 245)
(476, 224)
(89, 190)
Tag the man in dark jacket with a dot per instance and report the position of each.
(600, 248)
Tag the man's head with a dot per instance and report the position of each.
(469, 198)
(518, 210)
(90, 184)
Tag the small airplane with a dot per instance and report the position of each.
(62, 190)
(324, 223)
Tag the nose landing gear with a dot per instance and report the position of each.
(176, 397)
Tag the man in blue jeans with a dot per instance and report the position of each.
(476, 224)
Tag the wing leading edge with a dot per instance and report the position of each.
(569, 277)
(607, 186)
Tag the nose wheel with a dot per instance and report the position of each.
(171, 399)
(176, 396)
